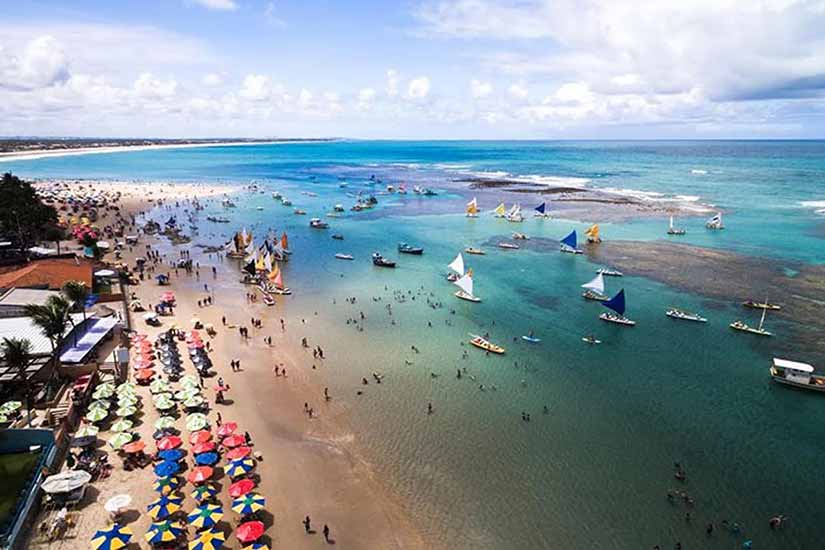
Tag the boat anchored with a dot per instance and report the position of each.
(568, 244)
(715, 222)
(595, 289)
(677, 313)
(520, 236)
(485, 344)
(342, 256)
(465, 285)
(671, 230)
(590, 339)
(405, 248)
(508, 246)
(607, 272)
(541, 211)
(457, 267)
(472, 209)
(744, 327)
(318, 223)
(514, 215)
(381, 261)
(592, 234)
(476, 251)
(617, 304)
(798, 375)
(761, 305)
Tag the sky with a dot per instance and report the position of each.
(414, 69)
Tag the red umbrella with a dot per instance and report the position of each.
(203, 447)
(142, 365)
(134, 447)
(169, 442)
(201, 436)
(228, 428)
(240, 488)
(144, 374)
(195, 345)
(199, 474)
(249, 531)
(239, 452)
(233, 441)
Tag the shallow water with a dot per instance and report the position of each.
(595, 471)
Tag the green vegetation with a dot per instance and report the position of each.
(23, 216)
(15, 470)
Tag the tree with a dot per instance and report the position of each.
(52, 318)
(77, 292)
(22, 213)
(16, 353)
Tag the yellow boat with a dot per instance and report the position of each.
(486, 345)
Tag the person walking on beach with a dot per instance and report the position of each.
(307, 525)
(326, 533)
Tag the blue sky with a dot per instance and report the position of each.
(451, 69)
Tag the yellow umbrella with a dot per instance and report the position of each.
(208, 540)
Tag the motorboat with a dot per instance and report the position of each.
(485, 344)
(508, 246)
(381, 261)
(590, 339)
(405, 248)
(338, 208)
(761, 305)
(798, 375)
(676, 313)
(476, 251)
(520, 236)
(342, 256)
(286, 202)
(300, 212)
(318, 223)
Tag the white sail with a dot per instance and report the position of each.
(513, 211)
(230, 247)
(457, 265)
(466, 284)
(671, 222)
(596, 285)
(252, 257)
(244, 235)
(472, 204)
(250, 248)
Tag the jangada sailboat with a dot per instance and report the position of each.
(485, 344)
(715, 222)
(617, 304)
(514, 215)
(457, 266)
(499, 212)
(595, 289)
(568, 244)
(465, 292)
(744, 327)
(472, 209)
(541, 211)
(674, 230)
(593, 234)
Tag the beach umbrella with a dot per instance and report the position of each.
(103, 392)
(10, 406)
(233, 441)
(227, 428)
(144, 374)
(87, 430)
(190, 381)
(248, 504)
(200, 474)
(117, 503)
(113, 538)
(240, 488)
(122, 425)
(65, 482)
(103, 404)
(162, 396)
(164, 506)
(134, 447)
(96, 414)
(167, 468)
(163, 531)
(159, 386)
(208, 540)
(127, 401)
(169, 442)
(125, 411)
(195, 423)
(165, 485)
(194, 401)
(239, 452)
(201, 436)
(205, 516)
(165, 422)
(125, 388)
(249, 531)
(4, 419)
(206, 447)
(186, 393)
(256, 546)
(204, 491)
(240, 467)
(120, 439)
(206, 459)
(171, 454)
(164, 404)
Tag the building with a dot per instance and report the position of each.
(48, 273)
(13, 302)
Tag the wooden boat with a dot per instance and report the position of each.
(594, 290)
(592, 234)
(617, 304)
(508, 246)
(318, 223)
(476, 251)
(405, 248)
(381, 261)
(671, 230)
(677, 313)
(761, 305)
(465, 292)
(464, 296)
(744, 327)
(541, 211)
(514, 215)
(592, 340)
(568, 244)
(341, 256)
(798, 375)
(610, 272)
(485, 344)
(457, 269)
(472, 209)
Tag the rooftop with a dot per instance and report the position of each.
(24, 327)
(50, 273)
(25, 296)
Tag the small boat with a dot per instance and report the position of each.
(617, 304)
(761, 305)
(300, 212)
(465, 292)
(485, 344)
(428, 192)
(798, 375)
(405, 248)
(530, 338)
(590, 339)
(457, 267)
(337, 236)
(500, 211)
(286, 202)
(269, 300)
(593, 234)
(568, 244)
(342, 256)
(218, 219)
(514, 215)
(715, 222)
(390, 189)
(318, 223)
(259, 208)
(276, 195)
(476, 251)
(509, 246)
(282, 291)
(671, 230)
(541, 211)
(338, 208)
(472, 209)
(610, 272)
(676, 313)
(228, 203)
(744, 327)
(520, 236)
(309, 193)
(595, 289)
(381, 261)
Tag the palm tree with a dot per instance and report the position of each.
(52, 318)
(16, 353)
(77, 292)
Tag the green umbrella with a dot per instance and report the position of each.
(190, 381)
(87, 430)
(96, 414)
(126, 387)
(165, 422)
(163, 395)
(195, 422)
(3, 418)
(127, 400)
(125, 411)
(187, 393)
(103, 393)
(120, 439)
(159, 386)
(194, 401)
(100, 404)
(164, 404)
(122, 425)
(10, 407)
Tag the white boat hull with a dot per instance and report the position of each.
(464, 296)
(618, 319)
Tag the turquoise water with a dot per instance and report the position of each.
(594, 472)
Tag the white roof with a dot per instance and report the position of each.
(25, 296)
(23, 327)
(793, 365)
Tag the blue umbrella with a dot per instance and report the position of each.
(171, 455)
(206, 459)
(167, 468)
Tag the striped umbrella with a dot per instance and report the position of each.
(204, 492)
(163, 531)
(165, 485)
(96, 414)
(205, 516)
(122, 425)
(200, 474)
(240, 467)
(123, 412)
(164, 506)
(113, 538)
(203, 447)
(169, 442)
(120, 439)
(208, 540)
(200, 436)
(256, 546)
(165, 422)
(239, 452)
(248, 504)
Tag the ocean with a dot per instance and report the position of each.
(595, 469)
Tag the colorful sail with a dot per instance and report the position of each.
(596, 285)
(276, 271)
(570, 240)
(472, 207)
(593, 232)
(466, 284)
(230, 247)
(616, 303)
(542, 208)
(279, 280)
(500, 211)
(250, 267)
(284, 242)
(268, 263)
(457, 265)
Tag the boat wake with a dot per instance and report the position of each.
(818, 206)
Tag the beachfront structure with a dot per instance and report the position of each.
(13, 301)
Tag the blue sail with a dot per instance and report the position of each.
(570, 240)
(616, 303)
(540, 208)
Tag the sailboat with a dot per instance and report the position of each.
(472, 209)
(595, 289)
(465, 292)
(568, 244)
(457, 266)
(541, 211)
(277, 279)
(674, 230)
(514, 215)
(617, 304)
(593, 234)
(500, 211)
(759, 331)
(715, 222)
(285, 244)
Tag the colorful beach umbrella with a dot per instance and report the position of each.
(227, 428)
(204, 491)
(240, 488)
(239, 452)
(87, 430)
(208, 540)
(256, 546)
(120, 439)
(164, 506)
(96, 415)
(166, 485)
(165, 422)
(127, 401)
(200, 474)
(103, 393)
(200, 436)
(171, 454)
(206, 447)
(233, 441)
(206, 459)
(248, 504)
(113, 538)
(167, 468)
(249, 531)
(163, 531)
(134, 447)
(164, 404)
(104, 404)
(122, 425)
(126, 388)
(169, 442)
(239, 467)
(205, 516)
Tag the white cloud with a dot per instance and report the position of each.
(221, 5)
(366, 97)
(305, 98)
(418, 88)
(271, 16)
(256, 87)
(518, 91)
(392, 82)
(212, 80)
(41, 63)
(480, 90)
(148, 86)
